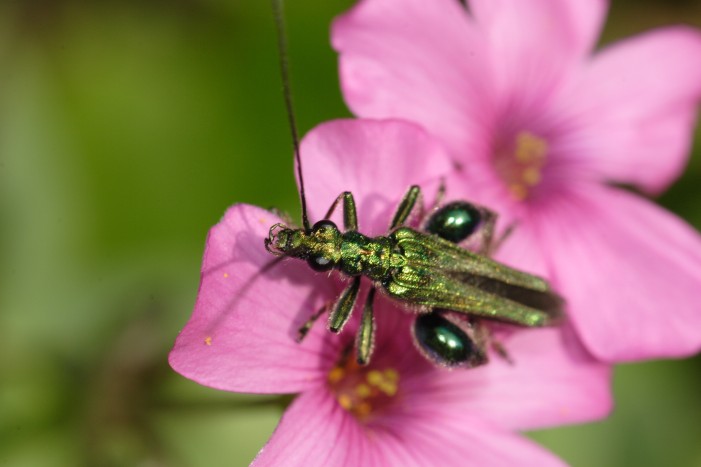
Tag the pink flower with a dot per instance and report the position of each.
(541, 128)
(399, 410)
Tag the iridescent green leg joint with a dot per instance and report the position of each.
(344, 306)
(365, 340)
(306, 327)
(488, 245)
(350, 218)
(406, 207)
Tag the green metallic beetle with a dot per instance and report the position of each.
(450, 288)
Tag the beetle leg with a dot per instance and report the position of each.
(350, 218)
(440, 194)
(306, 327)
(365, 339)
(437, 201)
(489, 244)
(499, 348)
(486, 337)
(406, 206)
(344, 306)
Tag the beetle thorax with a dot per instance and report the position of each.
(371, 257)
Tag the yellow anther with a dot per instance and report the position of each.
(208, 340)
(388, 387)
(345, 401)
(363, 390)
(531, 176)
(336, 374)
(521, 164)
(374, 377)
(226, 274)
(530, 148)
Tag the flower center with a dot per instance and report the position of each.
(362, 390)
(520, 163)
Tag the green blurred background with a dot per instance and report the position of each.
(126, 129)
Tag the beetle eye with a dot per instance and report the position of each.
(320, 263)
(445, 343)
(455, 221)
(323, 225)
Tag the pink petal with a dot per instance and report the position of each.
(533, 42)
(631, 273)
(241, 334)
(639, 99)
(517, 250)
(436, 436)
(316, 431)
(574, 21)
(375, 160)
(419, 60)
(551, 382)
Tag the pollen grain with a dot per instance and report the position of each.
(363, 391)
(520, 164)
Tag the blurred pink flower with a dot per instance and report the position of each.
(540, 128)
(400, 410)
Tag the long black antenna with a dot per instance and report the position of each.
(286, 89)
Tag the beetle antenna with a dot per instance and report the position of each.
(286, 90)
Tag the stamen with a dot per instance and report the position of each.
(345, 401)
(363, 391)
(336, 375)
(520, 163)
